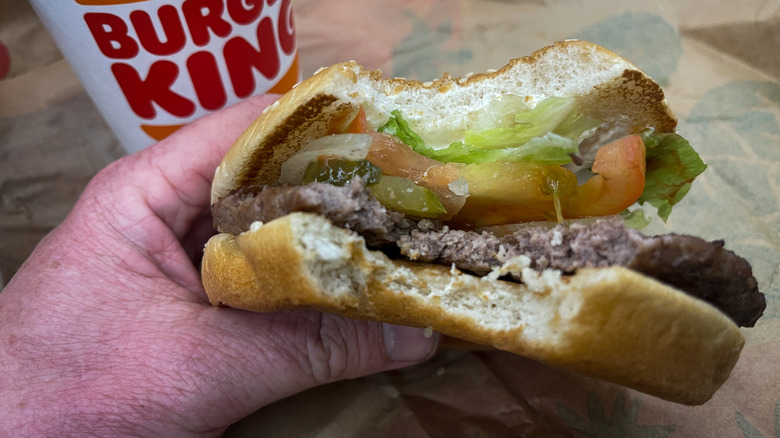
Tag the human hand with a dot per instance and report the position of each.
(106, 330)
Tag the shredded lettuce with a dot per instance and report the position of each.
(672, 165)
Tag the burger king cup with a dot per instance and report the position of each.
(153, 66)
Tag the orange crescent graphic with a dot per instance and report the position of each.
(159, 132)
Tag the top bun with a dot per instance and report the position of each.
(607, 87)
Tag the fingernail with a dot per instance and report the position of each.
(408, 344)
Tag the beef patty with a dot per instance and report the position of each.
(702, 269)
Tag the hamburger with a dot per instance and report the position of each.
(491, 208)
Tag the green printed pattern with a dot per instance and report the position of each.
(621, 421)
(750, 431)
(419, 55)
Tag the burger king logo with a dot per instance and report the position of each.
(173, 61)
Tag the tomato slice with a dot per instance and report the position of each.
(511, 192)
(359, 124)
(397, 159)
(620, 180)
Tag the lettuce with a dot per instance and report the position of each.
(547, 134)
(634, 218)
(542, 119)
(548, 149)
(400, 128)
(558, 115)
(672, 165)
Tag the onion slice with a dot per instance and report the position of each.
(352, 147)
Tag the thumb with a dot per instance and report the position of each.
(281, 354)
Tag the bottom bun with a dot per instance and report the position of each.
(608, 323)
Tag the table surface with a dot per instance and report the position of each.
(720, 68)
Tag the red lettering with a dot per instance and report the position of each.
(206, 79)
(155, 88)
(202, 15)
(286, 28)
(238, 11)
(147, 34)
(241, 58)
(110, 34)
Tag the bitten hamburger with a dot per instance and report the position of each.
(491, 208)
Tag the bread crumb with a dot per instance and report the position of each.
(256, 225)
(557, 238)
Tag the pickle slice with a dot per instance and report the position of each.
(401, 194)
(338, 171)
(394, 192)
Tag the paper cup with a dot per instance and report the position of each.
(153, 66)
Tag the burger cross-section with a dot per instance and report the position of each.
(498, 208)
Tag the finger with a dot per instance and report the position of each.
(182, 166)
(273, 356)
(157, 199)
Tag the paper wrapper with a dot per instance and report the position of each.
(719, 63)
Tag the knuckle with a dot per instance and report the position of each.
(332, 351)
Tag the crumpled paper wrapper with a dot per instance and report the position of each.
(719, 64)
